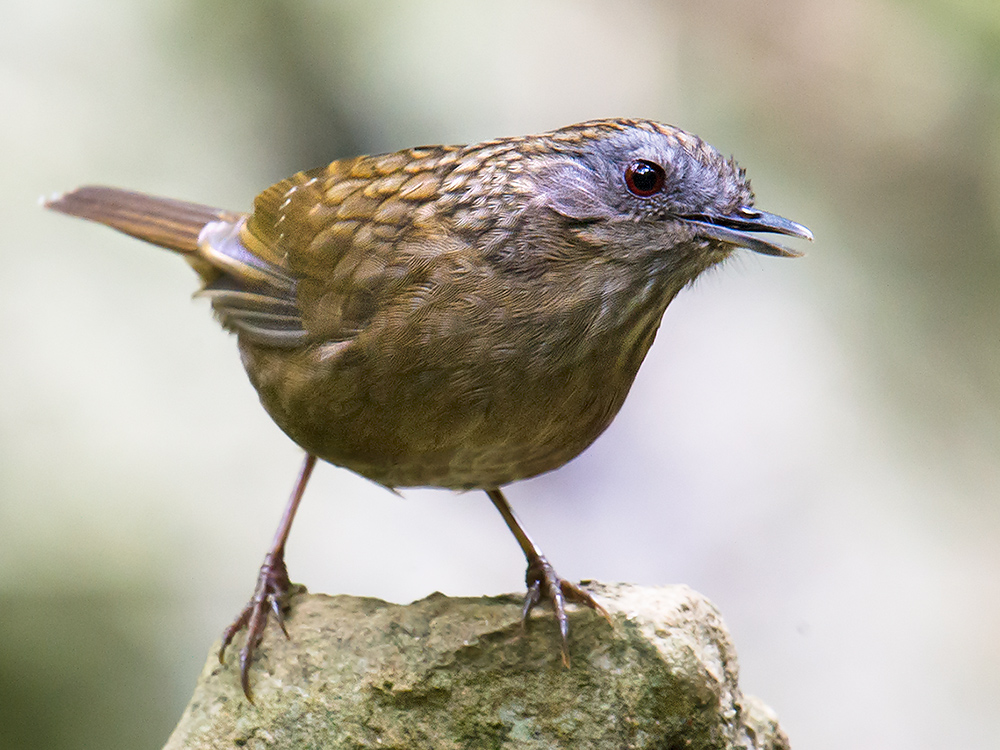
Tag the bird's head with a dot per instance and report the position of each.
(646, 191)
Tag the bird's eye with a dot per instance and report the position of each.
(644, 178)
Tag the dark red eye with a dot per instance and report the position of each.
(644, 178)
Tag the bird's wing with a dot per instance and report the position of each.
(321, 248)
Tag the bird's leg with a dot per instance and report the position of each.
(273, 586)
(541, 577)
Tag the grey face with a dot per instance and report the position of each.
(644, 173)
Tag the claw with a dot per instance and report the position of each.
(542, 582)
(279, 614)
(273, 587)
(270, 596)
(531, 598)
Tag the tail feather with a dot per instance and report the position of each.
(250, 295)
(175, 225)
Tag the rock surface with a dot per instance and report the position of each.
(448, 673)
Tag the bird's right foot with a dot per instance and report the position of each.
(271, 596)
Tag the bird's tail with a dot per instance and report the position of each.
(175, 225)
(251, 295)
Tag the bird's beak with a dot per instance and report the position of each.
(736, 229)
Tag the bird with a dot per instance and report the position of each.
(460, 317)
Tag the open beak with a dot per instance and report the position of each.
(737, 229)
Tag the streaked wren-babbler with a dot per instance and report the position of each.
(455, 316)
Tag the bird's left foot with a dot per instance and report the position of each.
(544, 583)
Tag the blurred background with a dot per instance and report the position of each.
(813, 444)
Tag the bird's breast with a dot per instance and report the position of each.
(470, 394)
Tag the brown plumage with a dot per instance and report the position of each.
(461, 316)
